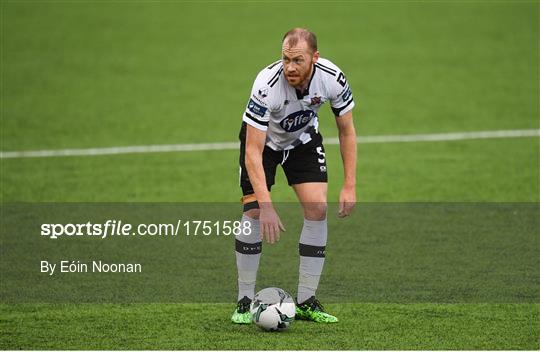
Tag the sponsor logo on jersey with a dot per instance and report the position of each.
(257, 99)
(347, 94)
(263, 92)
(256, 108)
(297, 120)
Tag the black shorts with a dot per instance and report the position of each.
(305, 163)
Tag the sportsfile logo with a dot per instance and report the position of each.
(117, 228)
(256, 108)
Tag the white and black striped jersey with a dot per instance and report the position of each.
(288, 116)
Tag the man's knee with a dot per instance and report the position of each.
(253, 213)
(315, 211)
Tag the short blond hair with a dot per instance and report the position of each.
(297, 34)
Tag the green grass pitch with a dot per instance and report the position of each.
(102, 74)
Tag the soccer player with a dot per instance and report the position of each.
(280, 126)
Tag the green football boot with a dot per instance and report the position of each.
(242, 315)
(313, 310)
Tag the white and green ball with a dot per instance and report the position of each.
(273, 309)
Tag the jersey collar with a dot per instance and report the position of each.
(301, 95)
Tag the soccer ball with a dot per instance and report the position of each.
(273, 309)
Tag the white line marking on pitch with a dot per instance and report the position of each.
(435, 137)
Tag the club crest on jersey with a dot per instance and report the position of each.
(256, 108)
(297, 120)
(315, 101)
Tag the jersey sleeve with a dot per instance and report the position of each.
(257, 113)
(340, 95)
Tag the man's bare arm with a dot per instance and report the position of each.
(347, 145)
(255, 140)
(269, 220)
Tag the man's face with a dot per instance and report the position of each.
(297, 63)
